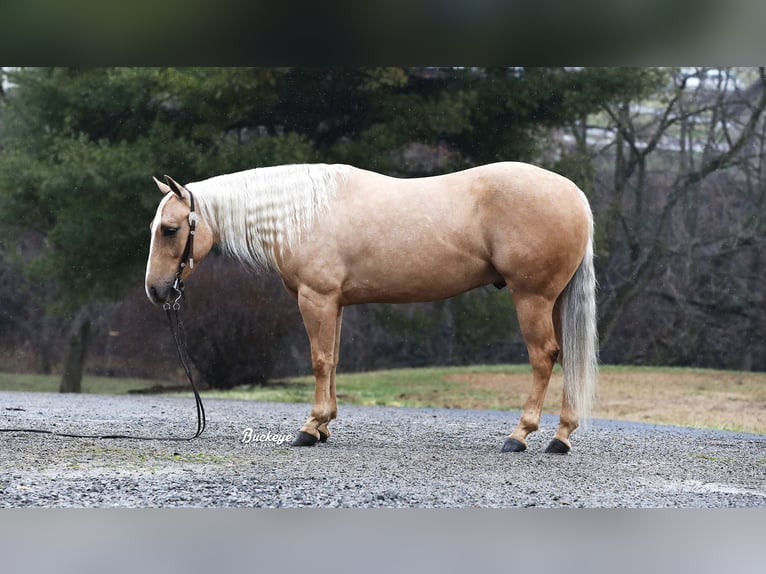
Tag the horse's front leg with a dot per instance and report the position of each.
(322, 317)
(324, 430)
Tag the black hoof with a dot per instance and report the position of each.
(323, 436)
(304, 439)
(513, 445)
(557, 447)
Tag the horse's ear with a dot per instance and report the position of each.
(163, 187)
(176, 187)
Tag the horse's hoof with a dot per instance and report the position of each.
(557, 447)
(323, 436)
(304, 439)
(513, 445)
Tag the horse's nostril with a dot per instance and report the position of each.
(154, 295)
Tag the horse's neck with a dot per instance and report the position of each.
(258, 215)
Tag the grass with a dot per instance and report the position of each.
(90, 384)
(704, 398)
(426, 387)
(725, 400)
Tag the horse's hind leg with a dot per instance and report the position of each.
(321, 317)
(535, 314)
(568, 421)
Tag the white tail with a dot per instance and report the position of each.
(580, 336)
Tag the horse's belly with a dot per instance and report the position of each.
(394, 278)
(404, 255)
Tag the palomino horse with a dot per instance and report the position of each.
(338, 236)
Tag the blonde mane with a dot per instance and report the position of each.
(258, 213)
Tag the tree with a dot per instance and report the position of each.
(677, 178)
(24, 319)
(64, 178)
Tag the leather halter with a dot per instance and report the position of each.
(188, 255)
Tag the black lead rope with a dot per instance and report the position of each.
(179, 336)
(176, 327)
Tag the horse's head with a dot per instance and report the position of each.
(179, 240)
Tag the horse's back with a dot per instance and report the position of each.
(511, 182)
(505, 202)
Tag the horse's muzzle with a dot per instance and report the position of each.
(160, 294)
(165, 292)
(154, 296)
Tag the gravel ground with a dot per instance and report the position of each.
(377, 457)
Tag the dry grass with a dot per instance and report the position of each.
(687, 397)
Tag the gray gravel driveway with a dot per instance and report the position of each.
(377, 457)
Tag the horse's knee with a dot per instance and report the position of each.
(323, 365)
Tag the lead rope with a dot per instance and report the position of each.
(176, 327)
(179, 336)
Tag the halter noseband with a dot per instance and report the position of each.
(188, 254)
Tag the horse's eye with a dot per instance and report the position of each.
(169, 231)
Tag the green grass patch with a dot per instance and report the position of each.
(90, 384)
(424, 387)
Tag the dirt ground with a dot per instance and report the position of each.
(377, 457)
(710, 399)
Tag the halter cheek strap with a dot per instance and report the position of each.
(188, 254)
(189, 249)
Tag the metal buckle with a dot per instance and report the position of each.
(178, 287)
